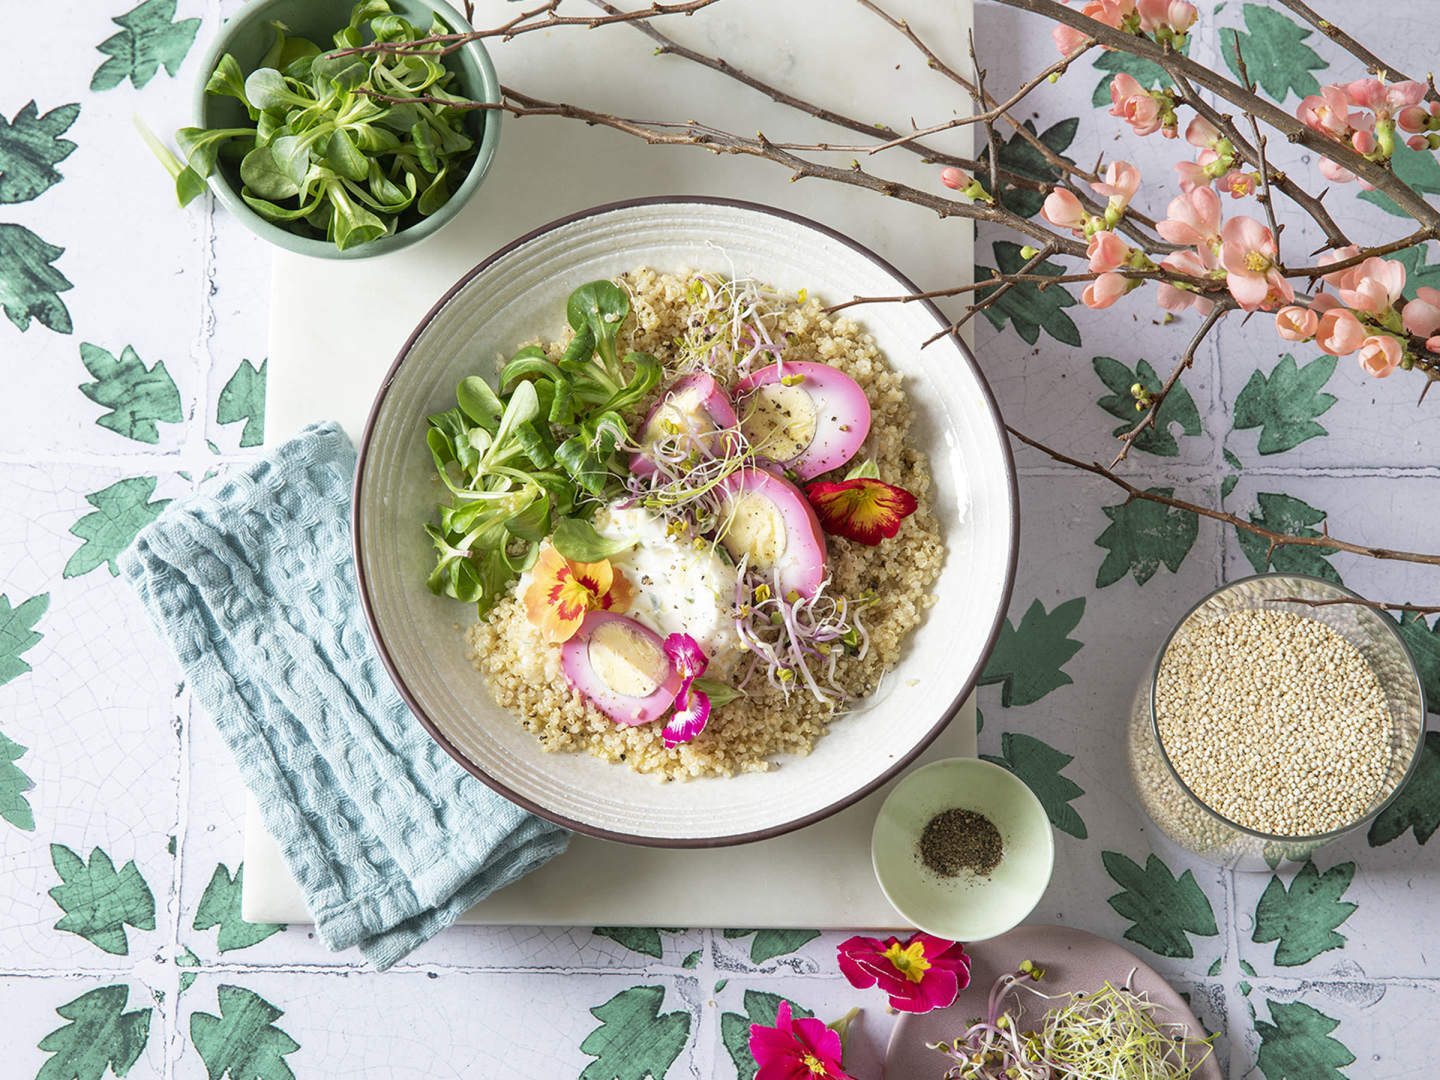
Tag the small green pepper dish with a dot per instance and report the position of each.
(250, 35)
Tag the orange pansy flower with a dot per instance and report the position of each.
(563, 591)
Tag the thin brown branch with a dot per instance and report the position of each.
(1373, 64)
(543, 17)
(1187, 358)
(1259, 138)
(1419, 236)
(1275, 539)
(1378, 605)
(988, 299)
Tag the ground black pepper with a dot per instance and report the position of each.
(956, 839)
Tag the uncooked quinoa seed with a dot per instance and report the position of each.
(1274, 721)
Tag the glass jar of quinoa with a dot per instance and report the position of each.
(1277, 717)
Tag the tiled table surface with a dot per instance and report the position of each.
(119, 770)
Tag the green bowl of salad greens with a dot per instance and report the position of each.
(296, 138)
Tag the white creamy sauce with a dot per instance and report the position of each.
(679, 588)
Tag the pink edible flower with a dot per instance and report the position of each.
(921, 974)
(1380, 354)
(1107, 251)
(1421, 316)
(1105, 290)
(692, 707)
(1192, 219)
(1339, 332)
(1372, 286)
(1295, 323)
(1133, 103)
(1172, 298)
(1248, 255)
(1062, 208)
(796, 1049)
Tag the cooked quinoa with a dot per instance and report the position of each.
(523, 671)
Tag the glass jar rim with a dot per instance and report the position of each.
(1276, 838)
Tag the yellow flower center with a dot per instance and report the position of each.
(814, 1064)
(909, 962)
(1257, 261)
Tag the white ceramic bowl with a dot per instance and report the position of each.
(966, 907)
(518, 294)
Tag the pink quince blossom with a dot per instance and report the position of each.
(1380, 354)
(1132, 103)
(1248, 256)
(1110, 12)
(1178, 15)
(1363, 142)
(1372, 286)
(1195, 174)
(1062, 208)
(1327, 112)
(1200, 132)
(1384, 99)
(1067, 39)
(1416, 117)
(1330, 258)
(800, 1048)
(1335, 172)
(1175, 299)
(921, 974)
(1237, 183)
(1421, 316)
(1107, 251)
(1295, 323)
(1339, 333)
(1120, 182)
(954, 178)
(1192, 218)
(1105, 290)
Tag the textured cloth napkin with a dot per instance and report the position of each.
(252, 581)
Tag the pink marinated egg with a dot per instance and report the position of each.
(621, 667)
(768, 521)
(692, 410)
(808, 417)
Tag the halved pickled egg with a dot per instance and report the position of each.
(690, 412)
(806, 416)
(621, 667)
(767, 520)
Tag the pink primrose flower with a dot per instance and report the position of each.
(1295, 323)
(1192, 218)
(692, 707)
(800, 1048)
(920, 974)
(1380, 354)
(1248, 255)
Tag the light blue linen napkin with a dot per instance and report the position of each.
(252, 581)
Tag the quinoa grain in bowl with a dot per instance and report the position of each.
(696, 528)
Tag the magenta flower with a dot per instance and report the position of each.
(692, 707)
(921, 974)
(796, 1049)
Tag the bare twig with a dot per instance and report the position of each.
(1373, 64)
(543, 17)
(1264, 194)
(1275, 539)
(1187, 358)
(989, 298)
(1360, 601)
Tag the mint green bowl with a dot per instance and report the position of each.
(249, 34)
(967, 907)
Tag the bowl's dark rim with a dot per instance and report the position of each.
(701, 841)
